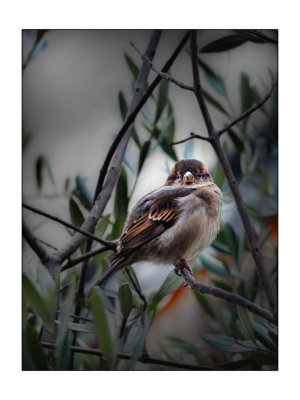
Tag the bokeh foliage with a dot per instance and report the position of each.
(115, 322)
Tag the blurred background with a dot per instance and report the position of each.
(77, 85)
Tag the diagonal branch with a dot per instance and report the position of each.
(215, 141)
(109, 245)
(35, 244)
(193, 136)
(250, 111)
(162, 74)
(143, 359)
(228, 296)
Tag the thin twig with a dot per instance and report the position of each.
(130, 118)
(228, 296)
(250, 111)
(192, 136)
(143, 359)
(85, 256)
(215, 141)
(110, 245)
(162, 74)
(35, 244)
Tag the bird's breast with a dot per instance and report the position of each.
(196, 227)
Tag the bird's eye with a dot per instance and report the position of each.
(198, 175)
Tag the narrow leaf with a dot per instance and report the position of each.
(162, 99)
(102, 329)
(224, 44)
(35, 349)
(132, 66)
(227, 343)
(215, 103)
(125, 298)
(205, 304)
(36, 301)
(82, 193)
(215, 266)
(75, 213)
(216, 82)
(123, 105)
(246, 324)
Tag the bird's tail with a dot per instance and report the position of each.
(116, 264)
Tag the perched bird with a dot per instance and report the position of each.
(172, 224)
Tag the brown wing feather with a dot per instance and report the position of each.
(151, 224)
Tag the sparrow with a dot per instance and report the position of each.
(172, 224)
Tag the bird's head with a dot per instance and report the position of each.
(188, 173)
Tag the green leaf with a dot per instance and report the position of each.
(39, 167)
(216, 82)
(221, 285)
(82, 193)
(103, 225)
(123, 105)
(219, 176)
(143, 154)
(132, 66)
(36, 301)
(102, 329)
(34, 348)
(227, 343)
(246, 324)
(246, 93)
(162, 99)
(168, 149)
(75, 213)
(205, 304)
(121, 203)
(224, 44)
(26, 138)
(214, 265)
(140, 342)
(215, 103)
(188, 348)
(264, 338)
(238, 143)
(170, 284)
(42, 164)
(232, 241)
(125, 298)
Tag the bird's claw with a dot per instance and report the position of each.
(180, 265)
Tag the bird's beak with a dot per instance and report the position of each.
(188, 177)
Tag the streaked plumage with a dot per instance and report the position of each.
(175, 222)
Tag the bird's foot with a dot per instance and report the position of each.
(180, 265)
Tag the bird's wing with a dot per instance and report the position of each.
(159, 213)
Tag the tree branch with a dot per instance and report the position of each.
(143, 359)
(223, 294)
(35, 244)
(215, 141)
(109, 245)
(250, 111)
(86, 256)
(107, 187)
(192, 136)
(163, 75)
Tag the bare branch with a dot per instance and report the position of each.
(250, 111)
(163, 75)
(35, 244)
(110, 245)
(228, 296)
(107, 187)
(86, 256)
(143, 359)
(215, 141)
(192, 136)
